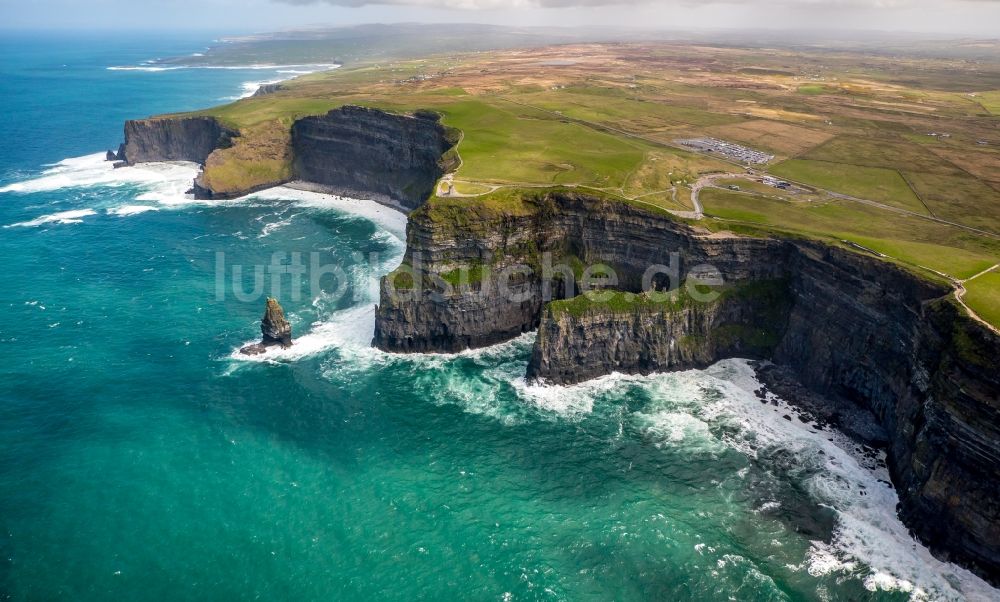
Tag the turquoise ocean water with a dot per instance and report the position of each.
(140, 459)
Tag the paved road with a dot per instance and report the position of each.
(707, 181)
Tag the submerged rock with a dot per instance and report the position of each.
(275, 329)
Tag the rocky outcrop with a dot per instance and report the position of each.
(117, 157)
(550, 234)
(265, 89)
(354, 151)
(173, 139)
(862, 332)
(581, 339)
(275, 329)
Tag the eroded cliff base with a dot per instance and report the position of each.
(174, 139)
(395, 159)
(854, 419)
(362, 152)
(886, 355)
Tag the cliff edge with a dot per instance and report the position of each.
(352, 151)
(361, 152)
(857, 330)
(476, 272)
(173, 139)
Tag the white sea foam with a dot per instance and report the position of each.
(161, 183)
(146, 68)
(349, 331)
(391, 220)
(576, 400)
(272, 227)
(62, 217)
(249, 88)
(869, 543)
(94, 170)
(715, 409)
(127, 210)
(153, 68)
(166, 185)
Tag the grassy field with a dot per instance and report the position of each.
(261, 156)
(471, 188)
(958, 198)
(608, 118)
(872, 183)
(783, 139)
(910, 239)
(511, 144)
(814, 89)
(983, 296)
(624, 110)
(990, 101)
(890, 153)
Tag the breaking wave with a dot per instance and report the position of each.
(94, 171)
(62, 217)
(713, 411)
(248, 88)
(128, 210)
(153, 68)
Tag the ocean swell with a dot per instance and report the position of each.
(714, 411)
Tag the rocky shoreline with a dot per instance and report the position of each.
(886, 355)
(855, 420)
(351, 151)
(173, 139)
(880, 352)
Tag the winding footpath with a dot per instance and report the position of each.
(960, 294)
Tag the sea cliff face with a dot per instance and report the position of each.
(173, 139)
(355, 151)
(945, 455)
(581, 339)
(547, 232)
(856, 329)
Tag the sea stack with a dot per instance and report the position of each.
(274, 327)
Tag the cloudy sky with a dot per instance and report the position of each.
(970, 17)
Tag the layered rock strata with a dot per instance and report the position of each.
(173, 139)
(351, 151)
(355, 151)
(858, 330)
(275, 329)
